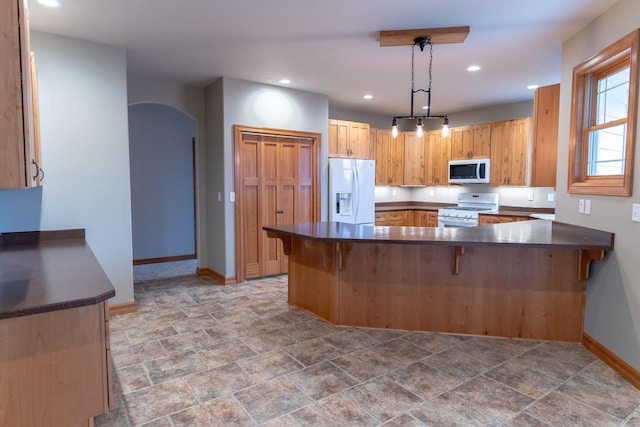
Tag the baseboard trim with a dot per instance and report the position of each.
(124, 308)
(164, 259)
(627, 371)
(224, 280)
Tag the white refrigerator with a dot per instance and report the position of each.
(352, 191)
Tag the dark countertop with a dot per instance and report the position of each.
(533, 233)
(48, 271)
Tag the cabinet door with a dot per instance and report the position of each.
(338, 138)
(461, 143)
(438, 149)
(395, 165)
(17, 150)
(481, 141)
(432, 219)
(421, 218)
(499, 153)
(382, 156)
(358, 140)
(546, 105)
(509, 152)
(414, 159)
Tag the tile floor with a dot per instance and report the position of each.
(200, 354)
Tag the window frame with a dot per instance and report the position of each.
(583, 103)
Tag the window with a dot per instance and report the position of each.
(603, 120)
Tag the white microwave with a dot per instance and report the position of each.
(472, 171)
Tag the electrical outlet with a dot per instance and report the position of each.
(587, 207)
(550, 197)
(530, 196)
(581, 206)
(635, 212)
(232, 196)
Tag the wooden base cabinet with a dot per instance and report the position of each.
(55, 367)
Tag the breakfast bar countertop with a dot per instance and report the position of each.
(533, 233)
(48, 271)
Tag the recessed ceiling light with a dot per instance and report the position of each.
(285, 81)
(49, 3)
(532, 87)
(425, 107)
(473, 68)
(368, 96)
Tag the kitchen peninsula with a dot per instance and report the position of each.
(55, 361)
(518, 280)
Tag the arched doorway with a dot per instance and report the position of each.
(162, 167)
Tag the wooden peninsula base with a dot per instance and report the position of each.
(445, 280)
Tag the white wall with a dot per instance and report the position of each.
(85, 153)
(190, 100)
(253, 104)
(613, 292)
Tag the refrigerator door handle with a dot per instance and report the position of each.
(356, 184)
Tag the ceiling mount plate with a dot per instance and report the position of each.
(437, 35)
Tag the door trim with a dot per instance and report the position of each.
(239, 130)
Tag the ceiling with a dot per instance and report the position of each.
(331, 46)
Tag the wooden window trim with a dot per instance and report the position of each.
(612, 185)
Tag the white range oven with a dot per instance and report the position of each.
(467, 213)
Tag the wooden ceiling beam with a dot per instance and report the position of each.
(438, 36)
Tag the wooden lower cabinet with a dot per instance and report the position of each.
(395, 218)
(55, 367)
(498, 219)
(425, 218)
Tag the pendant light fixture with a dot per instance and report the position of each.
(422, 38)
(421, 42)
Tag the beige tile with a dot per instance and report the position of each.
(383, 398)
(151, 332)
(308, 330)
(445, 410)
(284, 421)
(160, 422)
(269, 365)
(525, 420)
(225, 411)
(172, 367)
(268, 341)
(495, 350)
(218, 382)
(158, 401)
(457, 364)
(491, 397)
(138, 353)
(600, 387)
(272, 399)
(423, 380)
(195, 323)
(204, 309)
(350, 339)
(224, 353)
(126, 321)
(557, 409)
(164, 315)
(118, 339)
(527, 379)
(364, 364)
(132, 378)
(537, 360)
(186, 341)
(382, 335)
(404, 420)
(313, 351)
(335, 410)
(400, 351)
(321, 380)
(572, 351)
(433, 342)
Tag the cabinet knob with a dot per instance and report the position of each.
(280, 212)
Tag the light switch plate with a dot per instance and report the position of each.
(635, 212)
(550, 197)
(530, 196)
(232, 196)
(581, 206)
(587, 207)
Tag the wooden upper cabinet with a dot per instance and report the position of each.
(18, 168)
(510, 141)
(389, 157)
(546, 111)
(469, 142)
(414, 159)
(438, 152)
(348, 139)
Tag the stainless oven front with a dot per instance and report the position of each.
(456, 222)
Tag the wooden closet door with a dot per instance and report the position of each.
(251, 246)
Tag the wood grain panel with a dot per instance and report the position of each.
(52, 367)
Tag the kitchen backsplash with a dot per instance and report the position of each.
(509, 196)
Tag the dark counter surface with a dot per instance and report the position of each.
(533, 233)
(48, 271)
(427, 206)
